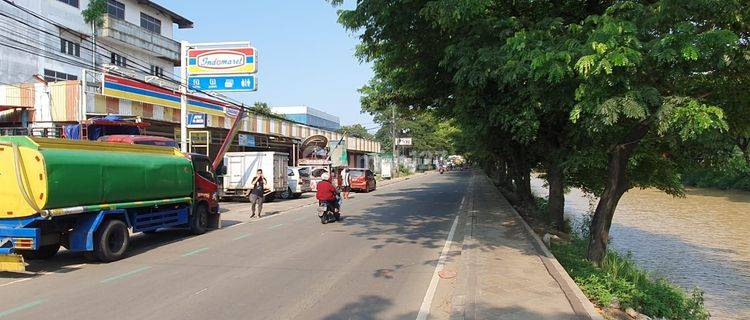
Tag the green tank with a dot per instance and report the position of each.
(57, 174)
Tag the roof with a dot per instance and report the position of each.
(182, 22)
(305, 110)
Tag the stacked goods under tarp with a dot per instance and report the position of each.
(55, 177)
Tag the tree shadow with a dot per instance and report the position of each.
(366, 308)
(372, 307)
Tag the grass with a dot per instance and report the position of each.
(619, 278)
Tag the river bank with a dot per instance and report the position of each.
(700, 240)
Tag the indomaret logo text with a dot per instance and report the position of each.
(221, 60)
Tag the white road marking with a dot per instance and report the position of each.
(199, 292)
(16, 281)
(424, 310)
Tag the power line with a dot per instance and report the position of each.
(222, 98)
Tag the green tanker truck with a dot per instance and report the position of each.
(87, 196)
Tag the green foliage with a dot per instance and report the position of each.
(262, 108)
(356, 130)
(565, 84)
(733, 174)
(619, 278)
(95, 12)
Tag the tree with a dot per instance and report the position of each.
(602, 95)
(356, 130)
(94, 13)
(262, 108)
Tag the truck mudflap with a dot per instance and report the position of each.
(12, 262)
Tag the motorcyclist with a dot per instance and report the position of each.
(327, 193)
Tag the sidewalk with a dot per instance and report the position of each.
(505, 272)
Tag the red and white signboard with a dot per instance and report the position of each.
(222, 61)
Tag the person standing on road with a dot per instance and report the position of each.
(256, 195)
(346, 183)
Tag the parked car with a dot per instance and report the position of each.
(362, 179)
(299, 182)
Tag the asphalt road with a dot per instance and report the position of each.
(376, 264)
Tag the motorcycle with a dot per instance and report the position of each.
(327, 214)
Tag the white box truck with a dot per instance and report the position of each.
(241, 168)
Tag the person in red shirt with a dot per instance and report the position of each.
(327, 193)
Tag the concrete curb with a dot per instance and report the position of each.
(578, 300)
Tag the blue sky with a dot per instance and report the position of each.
(304, 56)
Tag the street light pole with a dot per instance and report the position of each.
(394, 160)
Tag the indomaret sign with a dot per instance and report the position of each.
(222, 61)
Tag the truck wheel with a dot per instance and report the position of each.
(111, 240)
(199, 220)
(43, 253)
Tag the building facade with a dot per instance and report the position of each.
(45, 47)
(309, 116)
(51, 40)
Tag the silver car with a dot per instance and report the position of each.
(299, 182)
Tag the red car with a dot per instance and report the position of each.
(362, 179)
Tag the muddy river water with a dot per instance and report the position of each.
(701, 240)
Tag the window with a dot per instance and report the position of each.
(116, 9)
(52, 76)
(118, 60)
(157, 71)
(70, 47)
(150, 23)
(73, 3)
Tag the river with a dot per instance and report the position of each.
(701, 240)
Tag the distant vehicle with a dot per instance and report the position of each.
(362, 179)
(299, 182)
(242, 166)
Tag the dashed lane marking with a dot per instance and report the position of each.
(242, 236)
(125, 275)
(21, 308)
(196, 251)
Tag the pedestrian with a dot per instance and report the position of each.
(256, 195)
(346, 183)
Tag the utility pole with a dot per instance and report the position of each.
(394, 159)
(183, 97)
(93, 46)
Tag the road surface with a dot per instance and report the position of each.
(376, 264)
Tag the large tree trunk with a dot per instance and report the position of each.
(744, 144)
(556, 199)
(617, 184)
(522, 181)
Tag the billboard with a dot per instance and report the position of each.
(403, 141)
(222, 61)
